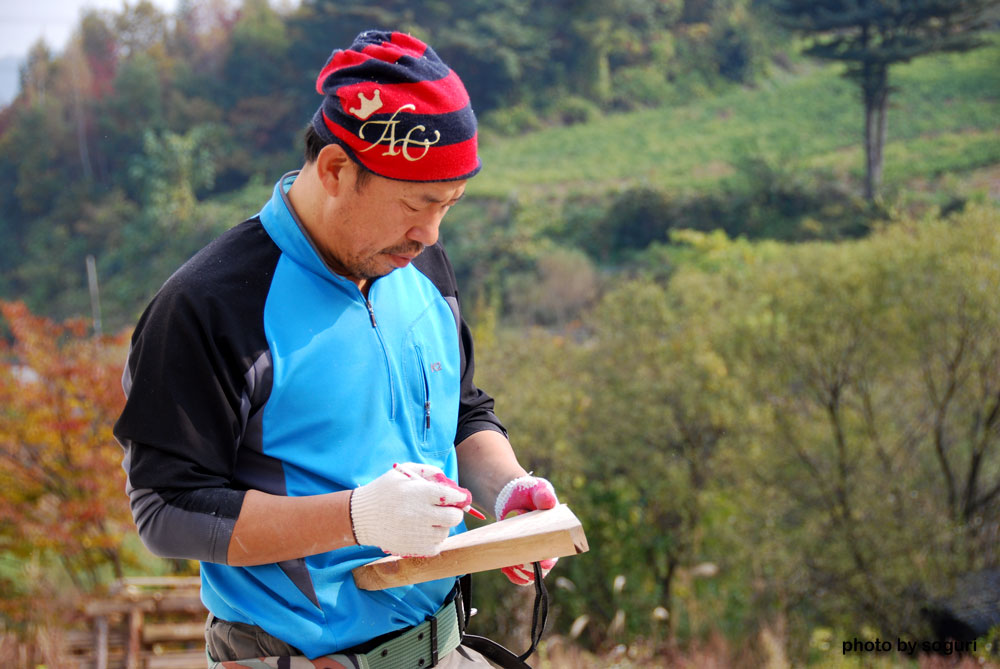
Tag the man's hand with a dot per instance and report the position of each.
(527, 493)
(408, 510)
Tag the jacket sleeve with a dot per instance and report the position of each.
(475, 411)
(178, 430)
(187, 406)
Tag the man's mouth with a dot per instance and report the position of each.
(400, 261)
(402, 256)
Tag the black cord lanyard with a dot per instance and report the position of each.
(497, 653)
(539, 613)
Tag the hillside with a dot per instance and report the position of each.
(944, 117)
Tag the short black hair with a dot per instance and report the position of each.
(314, 144)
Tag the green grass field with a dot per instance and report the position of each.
(944, 118)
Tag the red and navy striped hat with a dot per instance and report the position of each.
(397, 109)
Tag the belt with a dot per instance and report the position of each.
(419, 646)
(415, 648)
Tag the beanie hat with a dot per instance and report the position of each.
(397, 109)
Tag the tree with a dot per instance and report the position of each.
(172, 169)
(63, 515)
(36, 74)
(626, 417)
(872, 35)
(134, 107)
(661, 405)
(140, 28)
(564, 283)
(872, 432)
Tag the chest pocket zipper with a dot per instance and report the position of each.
(427, 394)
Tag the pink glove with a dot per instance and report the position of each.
(527, 493)
(409, 510)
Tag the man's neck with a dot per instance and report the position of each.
(303, 197)
(306, 197)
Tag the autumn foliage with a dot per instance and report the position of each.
(63, 512)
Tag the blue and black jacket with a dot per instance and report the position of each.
(257, 367)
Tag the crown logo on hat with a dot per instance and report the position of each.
(368, 107)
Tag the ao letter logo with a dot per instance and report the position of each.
(389, 137)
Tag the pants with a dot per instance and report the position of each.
(229, 642)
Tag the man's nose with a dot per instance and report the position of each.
(426, 230)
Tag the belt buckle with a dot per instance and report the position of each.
(434, 641)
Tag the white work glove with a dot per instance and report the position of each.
(408, 510)
(527, 493)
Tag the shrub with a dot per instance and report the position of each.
(511, 121)
(636, 87)
(573, 109)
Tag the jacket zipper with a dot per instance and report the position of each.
(385, 356)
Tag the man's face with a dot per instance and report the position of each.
(367, 232)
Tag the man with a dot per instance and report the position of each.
(300, 397)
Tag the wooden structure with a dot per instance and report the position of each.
(143, 623)
(529, 537)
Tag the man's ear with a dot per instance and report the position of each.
(332, 167)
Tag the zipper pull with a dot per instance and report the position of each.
(427, 413)
(371, 313)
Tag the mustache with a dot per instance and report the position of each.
(411, 249)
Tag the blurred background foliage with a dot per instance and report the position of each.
(773, 401)
(799, 436)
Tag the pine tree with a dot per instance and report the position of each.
(872, 35)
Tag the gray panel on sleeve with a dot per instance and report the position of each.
(175, 532)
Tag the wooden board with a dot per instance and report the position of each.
(529, 537)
